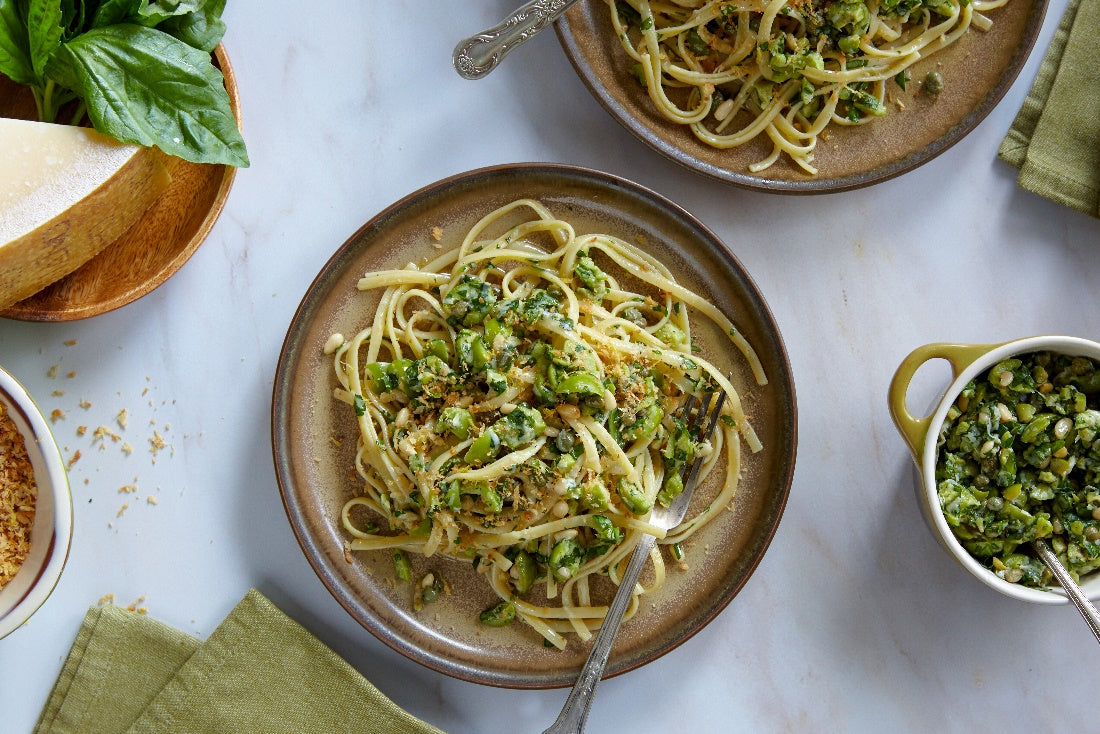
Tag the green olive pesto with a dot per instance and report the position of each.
(1019, 459)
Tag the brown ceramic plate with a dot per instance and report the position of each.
(978, 69)
(314, 437)
(149, 252)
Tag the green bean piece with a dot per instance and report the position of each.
(401, 565)
(456, 421)
(565, 559)
(672, 335)
(500, 615)
(524, 571)
(483, 448)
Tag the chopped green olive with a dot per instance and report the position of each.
(483, 448)
(524, 571)
(401, 565)
(580, 383)
(565, 559)
(633, 497)
(1019, 459)
(456, 421)
(500, 615)
(522, 426)
(605, 530)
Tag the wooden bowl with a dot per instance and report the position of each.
(149, 252)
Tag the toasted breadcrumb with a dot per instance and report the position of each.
(57, 415)
(81, 430)
(85, 404)
(106, 599)
(437, 234)
(157, 442)
(52, 371)
(152, 500)
(122, 418)
(73, 459)
(70, 342)
(58, 393)
(122, 509)
(103, 432)
(18, 496)
(127, 448)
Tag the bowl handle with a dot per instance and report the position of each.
(959, 356)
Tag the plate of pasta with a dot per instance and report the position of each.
(800, 97)
(475, 411)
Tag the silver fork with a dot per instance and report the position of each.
(575, 712)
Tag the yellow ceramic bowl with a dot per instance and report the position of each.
(967, 361)
(53, 518)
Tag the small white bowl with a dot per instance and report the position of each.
(968, 361)
(53, 518)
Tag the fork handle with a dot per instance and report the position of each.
(575, 712)
(479, 54)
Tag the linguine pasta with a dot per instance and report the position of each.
(785, 69)
(516, 410)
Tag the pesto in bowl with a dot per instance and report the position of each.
(1018, 458)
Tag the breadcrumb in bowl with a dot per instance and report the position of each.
(52, 527)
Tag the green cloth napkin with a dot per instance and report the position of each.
(1055, 138)
(258, 671)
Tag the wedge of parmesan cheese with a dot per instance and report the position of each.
(65, 193)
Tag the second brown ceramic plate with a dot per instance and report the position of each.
(314, 436)
(978, 69)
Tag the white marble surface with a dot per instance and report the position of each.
(855, 619)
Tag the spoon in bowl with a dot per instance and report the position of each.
(1088, 611)
(479, 54)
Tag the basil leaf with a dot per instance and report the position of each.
(143, 86)
(111, 12)
(202, 29)
(158, 11)
(43, 31)
(15, 55)
(72, 18)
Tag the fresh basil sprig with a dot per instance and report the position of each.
(141, 69)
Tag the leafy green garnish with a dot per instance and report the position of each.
(141, 68)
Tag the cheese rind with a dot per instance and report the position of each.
(65, 194)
